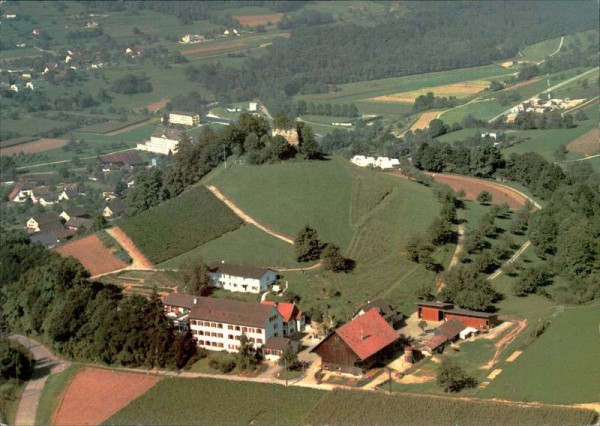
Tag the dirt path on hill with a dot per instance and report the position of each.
(245, 217)
(308, 268)
(129, 128)
(504, 342)
(139, 260)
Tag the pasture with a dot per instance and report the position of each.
(180, 224)
(218, 402)
(539, 51)
(247, 246)
(558, 366)
(111, 126)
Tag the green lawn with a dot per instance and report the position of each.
(52, 392)
(559, 366)
(539, 51)
(246, 246)
(288, 196)
(218, 402)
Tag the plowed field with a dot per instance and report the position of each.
(256, 20)
(588, 143)
(92, 254)
(94, 395)
(424, 120)
(473, 187)
(35, 146)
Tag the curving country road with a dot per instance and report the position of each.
(46, 363)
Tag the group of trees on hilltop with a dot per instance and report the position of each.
(308, 247)
(430, 101)
(44, 294)
(132, 84)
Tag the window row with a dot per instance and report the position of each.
(207, 343)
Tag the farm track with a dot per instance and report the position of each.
(246, 217)
(132, 127)
(139, 260)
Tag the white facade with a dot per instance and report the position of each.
(243, 284)
(185, 119)
(22, 196)
(33, 225)
(219, 336)
(159, 145)
(252, 106)
(387, 163)
(362, 161)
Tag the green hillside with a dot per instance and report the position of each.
(180, 224)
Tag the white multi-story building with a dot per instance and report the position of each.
(185, 118)
(363, 161)
(245, 279)
(162, 141)
(387, 163)
(217, 324)
(294, 319)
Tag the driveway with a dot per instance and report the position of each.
(45, 364)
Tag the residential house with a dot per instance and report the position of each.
(21, 192)
(217, 324)
(246, 279)
(275, 347)
(162, 141)
(357, 345)
(108, 193)
(362, 161)
(44, 222)
(47, 240)
(388, 311)
(294, 319)
(192, 38)
(69, 192)
(68, 214)
(78, 223)
(115, 207)
(43, 196)
(184, 118)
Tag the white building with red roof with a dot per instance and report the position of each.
(294, 319)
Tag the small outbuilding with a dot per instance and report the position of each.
(432, 311)
(475, 319)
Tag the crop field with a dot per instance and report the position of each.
(564, 353)
(218, 402)
(29, 125)
(288, 196)
(110, 126)
(231, 44)
(266, 18)
(92, 254)
(424, 120)
(40, 145)
(247, 246)
(144, 282)
(545, 142)
(464, 89)
(180, 224)
(361, 408)
(52, 393)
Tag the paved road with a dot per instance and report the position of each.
(46, 363)
(556, 86)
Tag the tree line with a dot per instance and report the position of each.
(53, 297)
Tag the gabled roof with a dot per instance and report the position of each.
(117, 206)
(25, 186)
(450, 329)
(46, 217)
(384, 308)
(440, 305)
(187, 113)
(367, 334)
(14, 193)
(181, 300)
(231, 312)
(76, 212)
(469, 313)
(78, 222)
(288, 311)
(41, 191)
(435, 342)
(167, 132)
(277, 343)
(51, 227)
(46, 240)
(130, 158)
(238, 270)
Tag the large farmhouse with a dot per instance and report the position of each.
(356, 346)
(245, 279)
(162, 141)
(217, 324)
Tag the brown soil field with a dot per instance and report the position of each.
(454, 89)
(424, 120)
(92, 254)
(139, 260)
(255, 20)
(155, 106)
(35, 146)
(215, 48)
(473, 187)
(94, 395)
(587, 144)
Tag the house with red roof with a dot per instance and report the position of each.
(294, 319)
(21, 192)
(357, 345)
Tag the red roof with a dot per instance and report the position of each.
(367, 334)
(288, 311)
(14, 193)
